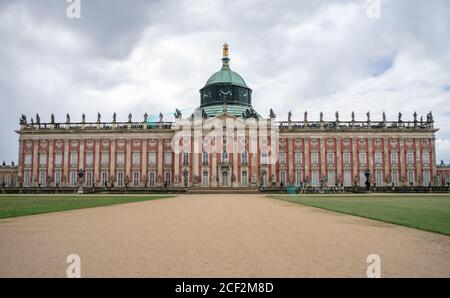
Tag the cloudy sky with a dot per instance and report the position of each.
(153, 56)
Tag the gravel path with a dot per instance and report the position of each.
(215, 236)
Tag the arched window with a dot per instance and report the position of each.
(205, 179)
(244, 179)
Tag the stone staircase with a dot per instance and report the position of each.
(223, 190)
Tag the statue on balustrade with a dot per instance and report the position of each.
(52, 119)
(67, 118)
(130, 118)
(177, 114)
(99, 117)
(23, 119)
(38, 119)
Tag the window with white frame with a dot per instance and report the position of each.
(298, 178)
(244, 179)
(73, 178)
(28, 159)
(410, 157)
(168, 179)
(152, 158)
(378, 158)
(43, 159)
(74, 158)
(205, 179)
(314, 158)
(168, 158)
(58, 178)
(136, 158)
(347, 179)
(120, 158)
(346, 158)
(331, 179)
(330, 158)
(89, 179)
(105, 157)
(394, 158)
(426, 157)
(447, 178)
(58, 158)
(298, 158)
(426, 178)
(362, 157)
(282, 158)
(264, 158)
(244, 157)
(42, 177)
(315, 178)
(205, 158)
(394, 177)
(120, 179)
(89, 158)
(224, 156)
(185, 159)
(283, 177)
(104, 178)
(410, 177)
(379, 178)
(362, 178)
(151, 179)
(136, 178)
(27, 178)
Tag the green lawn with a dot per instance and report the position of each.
(13, 206)
(425, 212)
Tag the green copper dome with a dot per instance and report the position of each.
(226, 76)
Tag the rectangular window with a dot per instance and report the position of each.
(168, 158)
(282, 158)
(105, 158)
(283, 177)
(330, 158)
(314, 158)
(346, 157)
(43, 159)
(426, 157)
(136, 158)
(27, 178)
(136, 179)
(298, 178)
(120, 158)
(264, 158)
(89, 179)
(152, 158)
(362, 179)
(28, 159)
(379, 178)
(394, 178)
(58, 178)
(151, 179)
(104, 180)
(42, 178)
(362, 158)
(244, 158)
(394, 156)
(89, 158)
(185, 159)
(58, 159)
(378, 158)
(73, 178)
(120, 179)
(331, 179)
(410, 158)
(315, 179)
(168, 179)
(411, 177)
(298, 158)
(426, 178)
(347, 179)
(74, 158)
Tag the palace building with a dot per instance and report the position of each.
(141, 154)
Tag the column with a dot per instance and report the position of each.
(290, 160)
(66, 162)
(386, 162)
(97, 161)
(144, 161)
(112, 159)
(50, 161)
(354, 160)
(370, 159)
(322, 158)
(35, 162)
(128, 160)
(433, 161)
(339, 174)
(402, 162)
(160, 162)
(307, 174)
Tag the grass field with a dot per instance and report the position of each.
(425, 212)
(13, 206)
